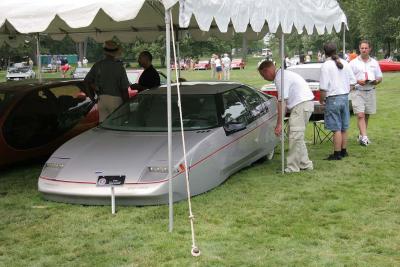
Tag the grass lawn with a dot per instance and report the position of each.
(344, 213)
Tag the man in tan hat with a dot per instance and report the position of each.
(108, 79)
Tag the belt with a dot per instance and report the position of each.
(337, 95)
(365, 90)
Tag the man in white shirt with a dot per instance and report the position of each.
(335, 83)
(299, 100)
(226, 67)
(368, 74)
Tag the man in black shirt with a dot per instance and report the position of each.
(150, 77)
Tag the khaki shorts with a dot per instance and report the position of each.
(364, 101)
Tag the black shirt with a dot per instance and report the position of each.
(149, 78)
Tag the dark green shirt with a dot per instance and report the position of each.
(109, 77)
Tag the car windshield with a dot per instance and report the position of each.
(5, 97)
(21, 69)
(148, 113)
(309, 74)
(133, 76)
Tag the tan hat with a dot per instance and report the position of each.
(111, 48)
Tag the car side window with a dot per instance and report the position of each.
(234, 109)
(45, 114)
(253, 101)
(73, 105)
(163, 79)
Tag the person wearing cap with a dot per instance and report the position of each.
(149, 77)
(299, 100)
(109, 81)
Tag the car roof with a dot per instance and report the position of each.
(134, 70)
(82, 68)
(27, 85)
(192, 88)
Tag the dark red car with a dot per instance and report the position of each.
(36, 118)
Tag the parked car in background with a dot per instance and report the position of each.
(80, 73)
(182, 65)
(202, 65)
(36, 118)
(228, 126)
(134, 75)
(238, 63)
(388, 65)
(19, 71)
(295, 60)
(311, 73)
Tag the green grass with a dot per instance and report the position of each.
(341, 214)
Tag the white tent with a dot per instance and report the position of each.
(323, 15)
(129, 19)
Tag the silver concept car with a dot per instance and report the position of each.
(227, 127)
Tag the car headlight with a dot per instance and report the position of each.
(160, 169)
(164, 169)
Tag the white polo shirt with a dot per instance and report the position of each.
(369, 70)
(336, 81)
(226, 62)
(296, 89)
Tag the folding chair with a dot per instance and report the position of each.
(320, 134)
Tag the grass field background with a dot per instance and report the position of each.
(344, 213)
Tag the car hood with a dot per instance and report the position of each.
(106, 152)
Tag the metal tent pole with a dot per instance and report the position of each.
(39, 63)
(169, 116)
(344, 40)
(283, 102)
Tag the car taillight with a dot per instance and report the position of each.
(273, 93)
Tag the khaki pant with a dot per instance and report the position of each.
(227, 73)
(107, 104)
(298, 156)
(364, 101)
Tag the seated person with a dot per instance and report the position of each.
(150, 77)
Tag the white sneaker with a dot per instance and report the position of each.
(364, 141)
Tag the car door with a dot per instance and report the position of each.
(45, 114)
(240, 145)
(258, 111)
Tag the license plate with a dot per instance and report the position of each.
(110, 180)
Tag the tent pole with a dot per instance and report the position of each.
(283, 102)
(39, 63)
(169, 115)
(344, 40)
(178, 65)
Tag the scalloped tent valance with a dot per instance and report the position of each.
(99, 19)
(263, 15)
(145, 19)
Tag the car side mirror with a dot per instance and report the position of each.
(232, 127)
